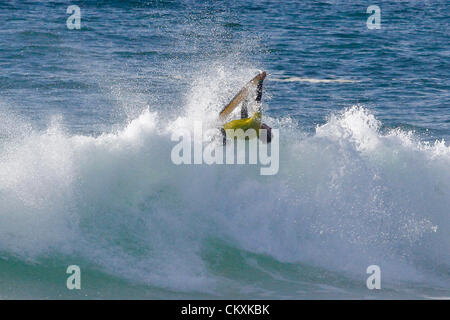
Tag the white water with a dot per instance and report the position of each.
(346, 197)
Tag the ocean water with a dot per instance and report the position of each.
(86, 179)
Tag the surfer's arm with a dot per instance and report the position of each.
(258, 99)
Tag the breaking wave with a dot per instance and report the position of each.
(345, 197)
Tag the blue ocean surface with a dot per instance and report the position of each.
(86, 177)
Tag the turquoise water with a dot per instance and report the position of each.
(86, 176)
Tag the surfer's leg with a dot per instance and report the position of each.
(259, 91)
(269, 132)
(244, 110)
(258, 98)
(224, 136)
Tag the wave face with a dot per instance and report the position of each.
(345, 198)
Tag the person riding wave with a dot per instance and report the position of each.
(254, 122)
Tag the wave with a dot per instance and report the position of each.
(345, 198)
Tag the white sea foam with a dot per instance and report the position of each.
(344, 198)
